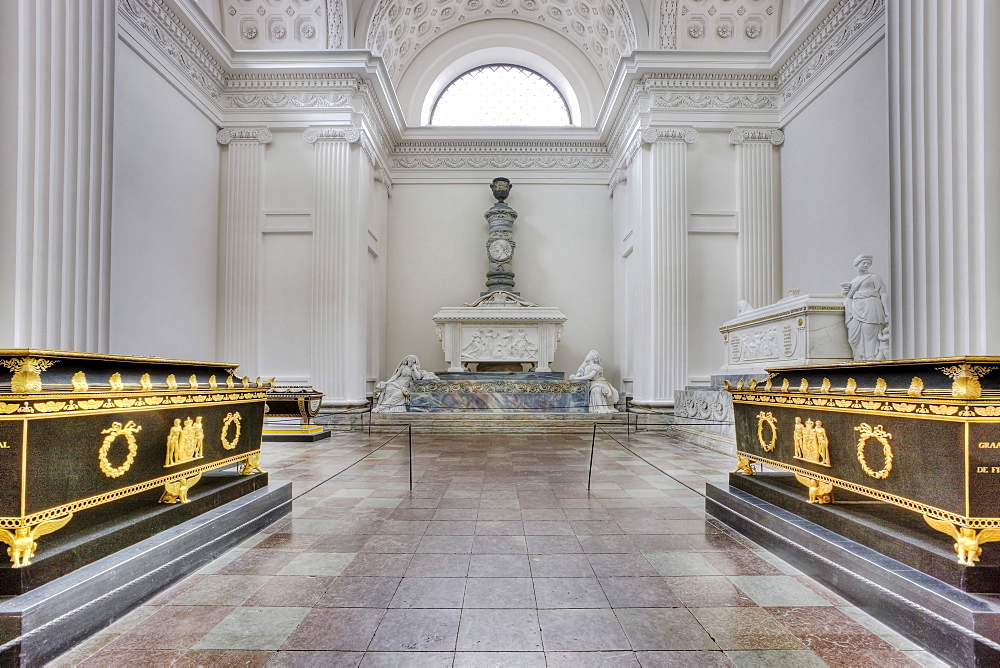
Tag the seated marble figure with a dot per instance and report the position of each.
(392, 396)
(603, 396)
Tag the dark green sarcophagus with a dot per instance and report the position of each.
(923, 435)
(79, 431)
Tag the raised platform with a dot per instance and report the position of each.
(54, 616)
(473, 422)
(960, 627)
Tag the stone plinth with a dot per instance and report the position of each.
(500, 393)
(499, 327)
(806, 329)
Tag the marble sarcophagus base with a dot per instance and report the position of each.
(500, 392)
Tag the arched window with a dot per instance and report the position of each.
(500, 95)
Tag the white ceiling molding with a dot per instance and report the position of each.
(707, 91)
(602, 29)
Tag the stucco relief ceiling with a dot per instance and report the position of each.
(602, 29)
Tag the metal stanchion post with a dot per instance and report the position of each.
(409, 439)
(593, 442)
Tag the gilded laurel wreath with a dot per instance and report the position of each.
(768, 419)
(866, 431)
(231, 418)
(113, 432)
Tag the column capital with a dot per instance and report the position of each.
(743, 135)
(349, 133)
(651, 135)
(226, 136)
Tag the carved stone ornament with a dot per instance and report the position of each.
(226, 136)
(742, 135)
(651, 135)
(349, 134)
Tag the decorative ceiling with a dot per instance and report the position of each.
(602, 29)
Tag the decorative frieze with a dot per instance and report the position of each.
(279, 101)
(499, 162)
(715, 102)
(833, 35)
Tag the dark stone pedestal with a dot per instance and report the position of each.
(52, 617)
(960, 627)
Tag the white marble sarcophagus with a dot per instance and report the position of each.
(499, 327)
(806, 329)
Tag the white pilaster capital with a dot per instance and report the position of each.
(226, 136)
(651, 135)
(350, 134)
(742, 135)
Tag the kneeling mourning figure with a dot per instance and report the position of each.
(603, 396)
(393, 395)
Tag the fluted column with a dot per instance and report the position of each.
(943, 272)
(758, 255)
(339, 314)
(65, 105)
(239, 248)
(662, 367)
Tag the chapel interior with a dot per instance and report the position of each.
(273, 184)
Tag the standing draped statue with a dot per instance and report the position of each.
(393, 395)
(866, 312)
(603, 396)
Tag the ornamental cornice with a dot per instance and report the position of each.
(772, 136)
(227, 136)
(652, 135)
(834, 33)
(716, 82)
(175, 40)
(272, 81)
(618, 177)
(326, 133)
(499, 162)
(715, 101)
(596, 149)
(283, 101)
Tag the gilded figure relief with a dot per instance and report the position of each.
(811, 443)
(185, 442)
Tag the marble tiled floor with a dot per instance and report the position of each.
(498, 557)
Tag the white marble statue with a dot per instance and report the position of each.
(393, 395)
(866, 312)
(603, 396)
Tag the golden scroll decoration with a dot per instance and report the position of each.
(231, 418)
(965, 379)
(768, 419)
(185, 442)
(114, 431)
(27, 372)
(866, 432)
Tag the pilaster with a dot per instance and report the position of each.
(662, 365)
(758, 259)
(939, 79)
(65, 103)
(239, 247)
(339, 310)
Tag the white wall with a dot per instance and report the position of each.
(437, 257)
(835, 180)
(712, 235)
(287, 258)
(8, 167)
(164, 218)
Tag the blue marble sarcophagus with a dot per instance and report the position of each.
(499, 392)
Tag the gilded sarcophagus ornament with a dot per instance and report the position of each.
(923, 435)
(78, 431)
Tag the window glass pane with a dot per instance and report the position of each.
(500, 95)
